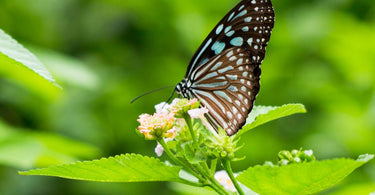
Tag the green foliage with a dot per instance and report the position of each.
(263, 114)
(303, 178)
(21, 66)
(24, 149)
(121, 168)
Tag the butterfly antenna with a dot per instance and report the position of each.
(170, 97)
(151, 92)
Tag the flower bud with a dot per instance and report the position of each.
(295, 156)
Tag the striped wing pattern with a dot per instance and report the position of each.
(224, 72)
(226, 86)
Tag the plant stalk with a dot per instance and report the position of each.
(190, 126)
(176, 160)
(228, 169)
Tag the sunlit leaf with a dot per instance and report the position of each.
(358, 188)
(304, 178)
(121, 168)
(66, 69)
(263, 114)
(21, 66)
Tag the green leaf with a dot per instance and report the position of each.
(66, 69)
(356, 188)
(22, 148)
(21, 66)
(303, 178)
(263, 114)
(121, 168)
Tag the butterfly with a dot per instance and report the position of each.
(224, 72)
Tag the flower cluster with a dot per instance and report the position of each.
(163, 123)
(223, 146)
(157, 126)
(180, 107)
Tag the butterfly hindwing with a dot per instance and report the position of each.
(227, 86)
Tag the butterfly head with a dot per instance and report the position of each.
(182, 88)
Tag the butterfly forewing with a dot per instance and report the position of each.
(248, 25)
(227, 85)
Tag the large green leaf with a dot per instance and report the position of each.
(24, 149)
(66, 69)
(121, 168)
(263, 114)
(303, 178)
(21, 66)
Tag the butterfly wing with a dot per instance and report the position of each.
(227, 85)
(248, 25)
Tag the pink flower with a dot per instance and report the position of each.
(157, 125)
(197, 112)
(223, 178)
(180, 107)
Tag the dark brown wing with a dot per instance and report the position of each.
(227, 86)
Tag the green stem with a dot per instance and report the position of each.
(213, 166)
(190, 126)
(187, 182)
(228, 169)
(214, 184)
(176, 160)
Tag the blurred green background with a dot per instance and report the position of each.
(105, 53)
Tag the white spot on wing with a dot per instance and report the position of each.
(237, 41)
(232, 58)
(250, 41)
(239, 61)
(230, 53)
(248, 19)
(218, 47)
(219, 28)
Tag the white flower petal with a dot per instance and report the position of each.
(159, 149)
(223, 178)
(161, 108)
(197, 112)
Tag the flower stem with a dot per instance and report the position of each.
(187, 182)
(213, 166)
(214, 184)
(190, 126)
(228, 169)
(176, 160)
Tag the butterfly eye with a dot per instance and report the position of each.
(224, 72)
